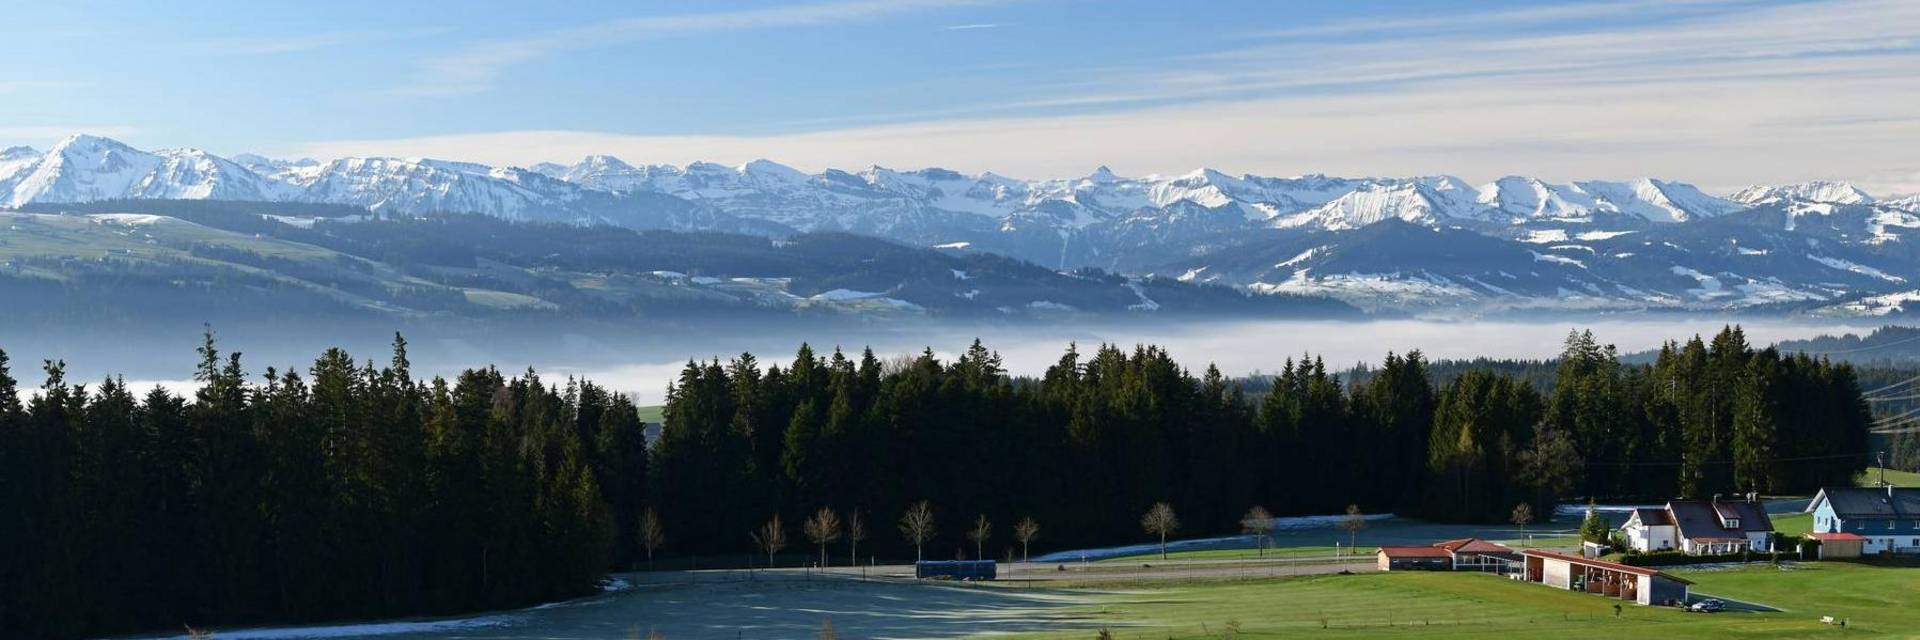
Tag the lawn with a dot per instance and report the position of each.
(1880, 601)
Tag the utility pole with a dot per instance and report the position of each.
(1880, 460)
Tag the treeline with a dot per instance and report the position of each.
(351, 492)
(1089, 445)
(356, 491)
(1704, 418)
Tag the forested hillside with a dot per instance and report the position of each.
(356, 491)
(138, 263)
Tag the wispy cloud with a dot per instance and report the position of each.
(1734, 39)
(474, 68)
(1730, 92)
(970, 27)
(274, 45)
(1531, 15)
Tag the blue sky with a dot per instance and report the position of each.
(1716, 91)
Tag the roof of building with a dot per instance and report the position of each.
(1707, 519)
(1603, 564)
(1651, 516)
(1852, 503)
(1838, 537)
(1472, 545)
(1414, 552)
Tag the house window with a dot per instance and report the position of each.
(1733, 523)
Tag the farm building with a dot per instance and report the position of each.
(1610, 579)
(1887, 519)
(1465, 554)
(1700, 527)
(1421, 558)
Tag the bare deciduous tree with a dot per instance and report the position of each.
(856, 532)
(1160, 521)
(652, 535)
(981, 532)
(1352, 524)
(1259, 523)
(822, 528)
(1522, 516)
(1026, 532)
(917, 525)
(771, 538)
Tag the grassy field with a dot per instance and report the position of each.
(1793, 524)
(652, 413)
(1898, 478)
(1880, 602)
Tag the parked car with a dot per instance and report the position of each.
(1709, 605)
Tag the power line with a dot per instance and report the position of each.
(1896, 417)
(1901, 383)
(1915, 396)
(1664, 463)
(1886, 431)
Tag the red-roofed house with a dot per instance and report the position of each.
(1474, 554)
(1403, 558)
(1465, 554)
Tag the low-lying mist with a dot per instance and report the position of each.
(643, 360)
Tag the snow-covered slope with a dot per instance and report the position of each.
(1531, 199)
(1816, 191)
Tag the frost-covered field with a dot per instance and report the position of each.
(772, 606)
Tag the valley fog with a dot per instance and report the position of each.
(642, 363)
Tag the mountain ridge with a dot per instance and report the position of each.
(1562, 240)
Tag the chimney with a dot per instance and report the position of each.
(1753, 496)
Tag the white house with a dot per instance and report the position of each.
(1701, 527)
(1649, 529)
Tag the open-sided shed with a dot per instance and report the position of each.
(1600, 577)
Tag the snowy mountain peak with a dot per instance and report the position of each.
(770, 170)
(1814, 191)
(603, 163)
(1408, 201)
(17, 153)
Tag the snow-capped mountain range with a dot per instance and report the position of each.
(1132, 224)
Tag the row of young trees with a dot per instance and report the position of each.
(356, 491)
(353, 491)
